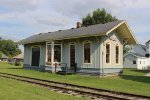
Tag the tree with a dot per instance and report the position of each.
(9, 48)
(127, 48)
(99, 16)
(0, 54)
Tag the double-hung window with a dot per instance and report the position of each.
(57, 52)
(49, 51)
(107, 53)
(48, 54)
(53, 53)
(87, 52)
(117, 54)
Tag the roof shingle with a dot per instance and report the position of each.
(99, 29)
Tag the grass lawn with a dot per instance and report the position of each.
(132, 80)
(15, 90)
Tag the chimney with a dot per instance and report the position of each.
(78, 24)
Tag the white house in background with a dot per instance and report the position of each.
(138, 57)
(140, 49)
(135, 60)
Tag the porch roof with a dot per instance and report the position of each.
(93, 30)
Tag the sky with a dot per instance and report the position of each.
(20, 19)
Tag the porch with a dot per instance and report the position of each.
(58, 68)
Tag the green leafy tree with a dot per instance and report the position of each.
(9, 48)
(99, 16)
(127, 48)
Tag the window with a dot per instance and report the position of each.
(117, 54)
(48, 53)
(57, 53)
(107, 53)
(87, 53)
(134, 62)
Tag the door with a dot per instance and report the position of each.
(35, 56)
(72, 56)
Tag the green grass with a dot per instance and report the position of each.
(132, 80)
(15, 90)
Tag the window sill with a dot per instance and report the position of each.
(48, 63)
(107, 63)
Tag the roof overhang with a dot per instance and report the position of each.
(125, 32)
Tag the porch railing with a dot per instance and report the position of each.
(65, 69)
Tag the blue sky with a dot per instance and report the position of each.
(22, 18)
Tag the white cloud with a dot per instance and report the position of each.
(19, 5)
(136, 4)
(52, 20)
(49, 15)
(141, 28)
(7, 16)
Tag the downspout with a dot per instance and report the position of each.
(102, 64)
(99, 52)
(103, 58)
(102, 68)
(52, 57)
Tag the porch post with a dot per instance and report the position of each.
(52, 57)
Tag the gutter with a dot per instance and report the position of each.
(98, 34)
